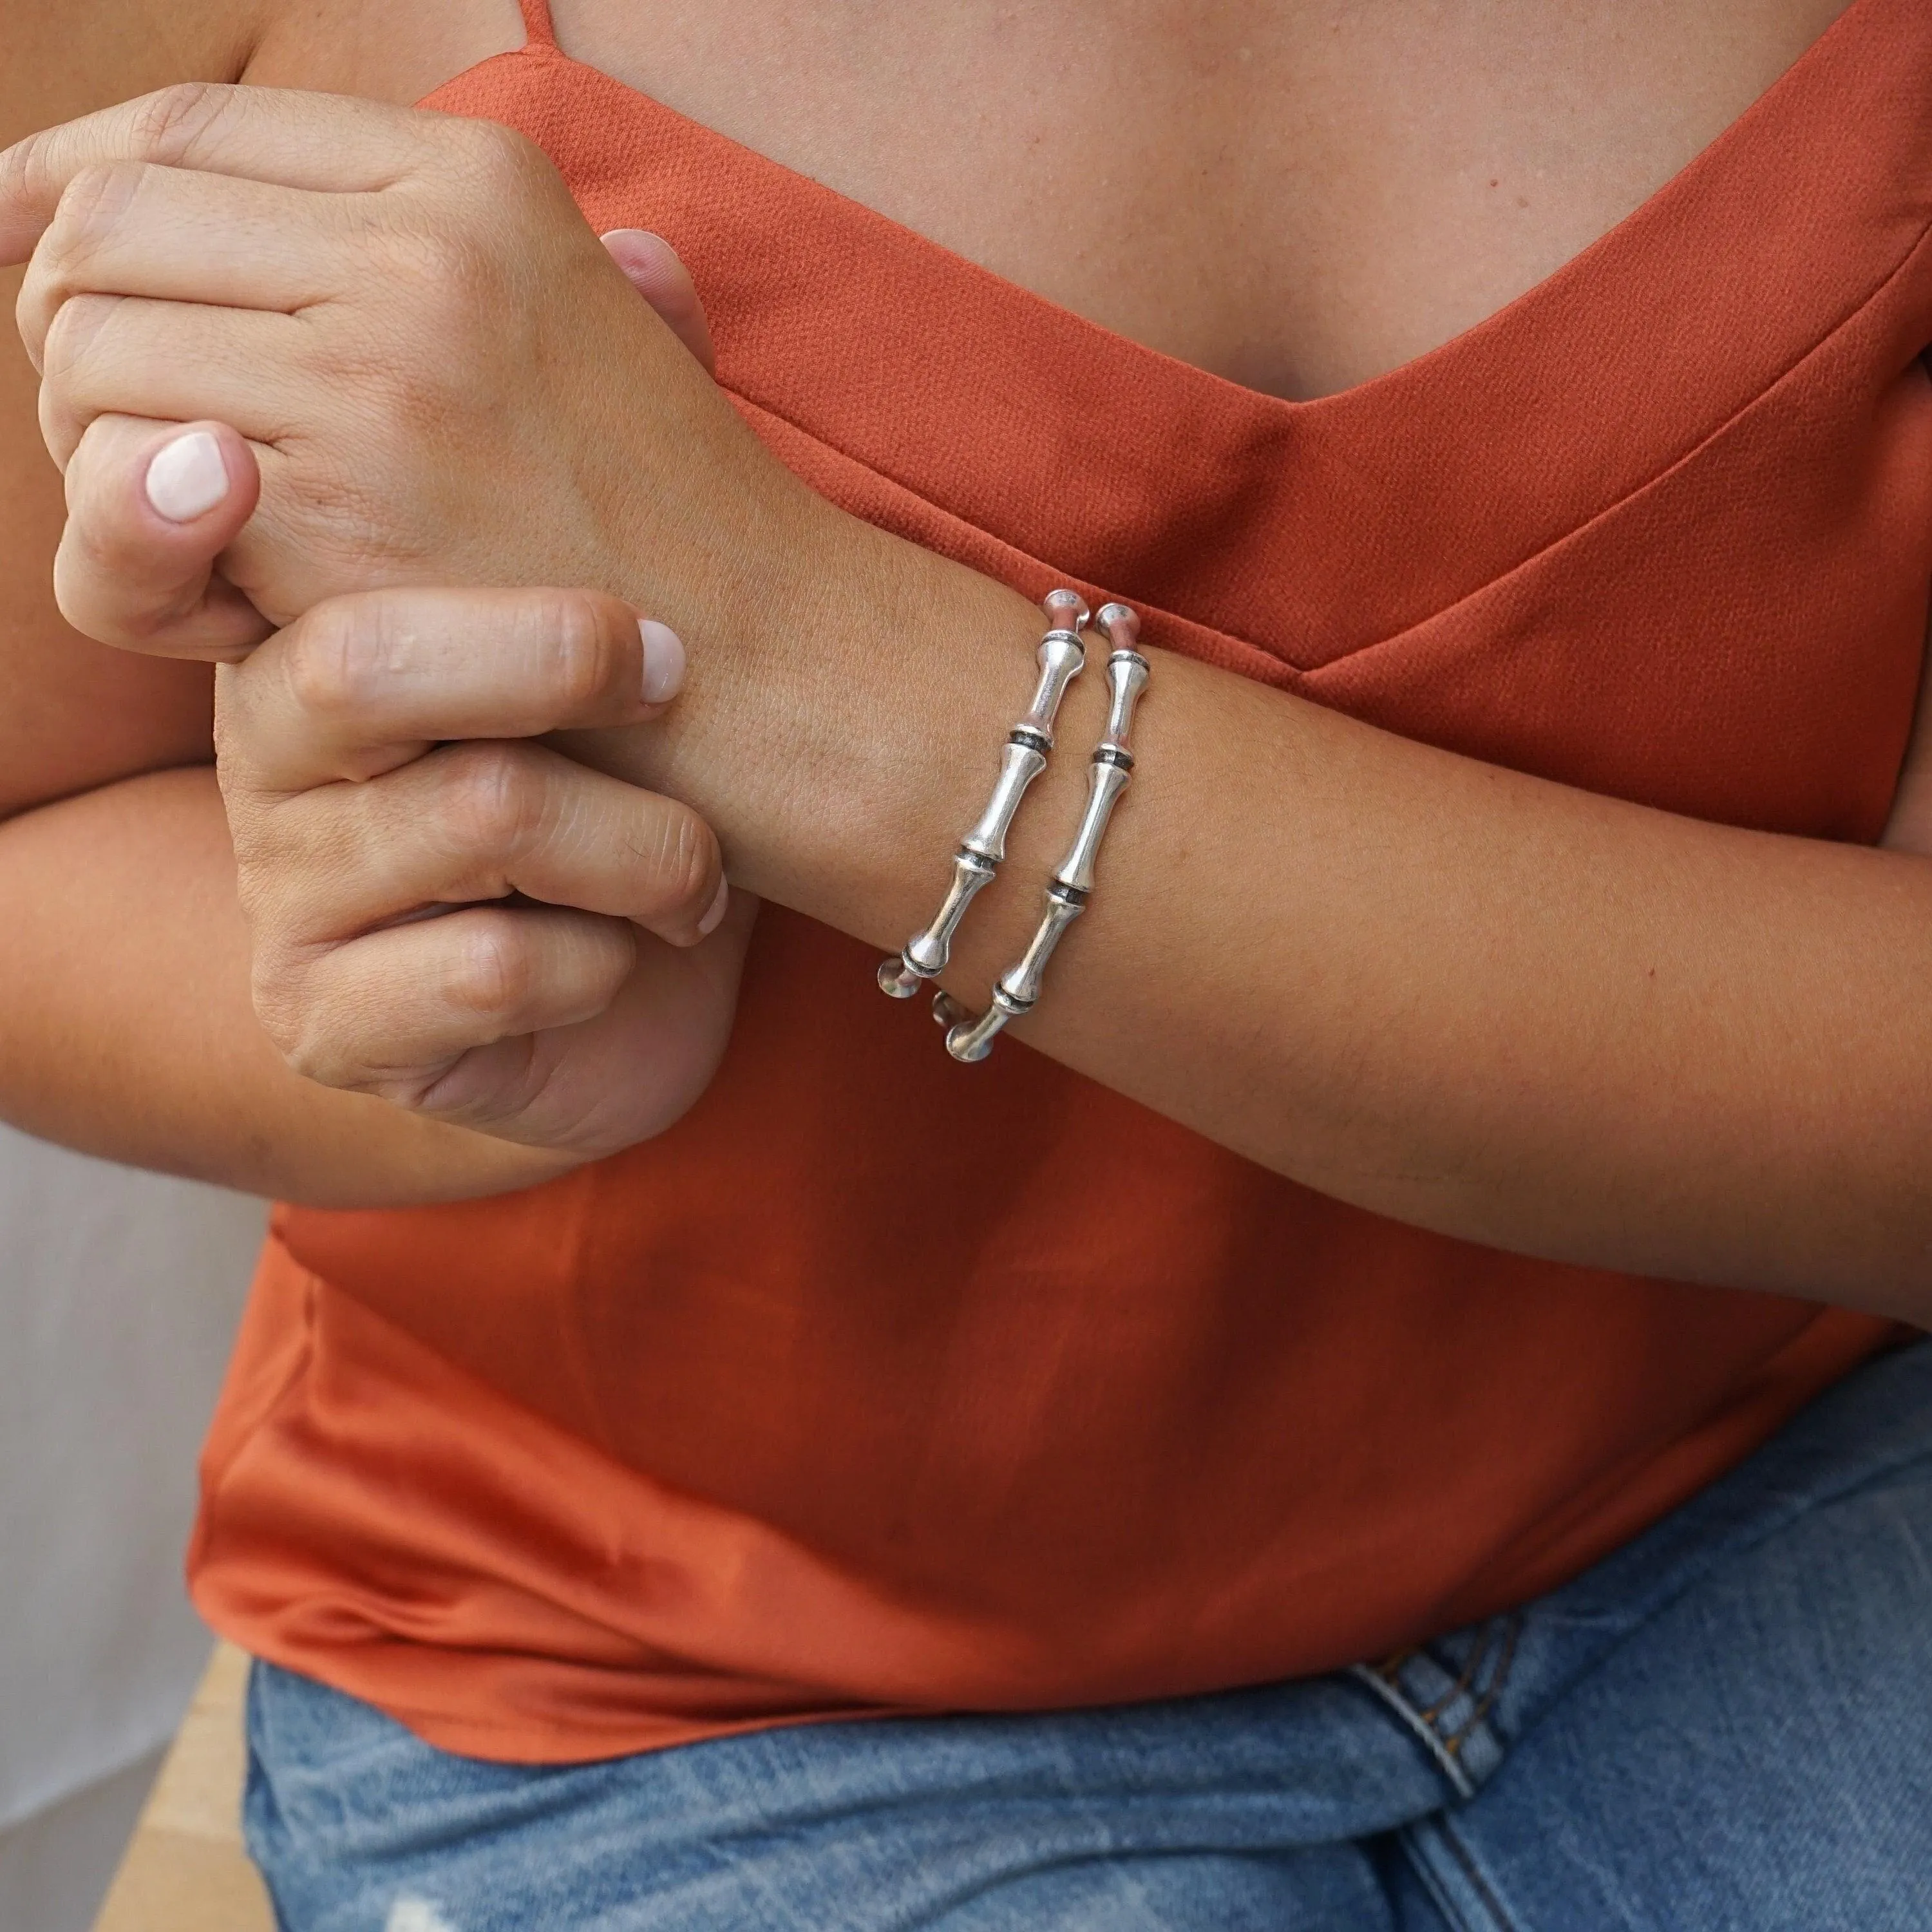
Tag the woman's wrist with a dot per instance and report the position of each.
(839, 721)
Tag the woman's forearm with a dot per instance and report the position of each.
(126, 1028)
(1458, 996)
(1473, 1001)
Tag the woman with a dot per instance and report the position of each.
(1265, 1404)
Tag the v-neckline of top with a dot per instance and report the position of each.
(1717, 153)
(1494, 446)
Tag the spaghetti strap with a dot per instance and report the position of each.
(537, 23)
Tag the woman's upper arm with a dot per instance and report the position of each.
(76, 715)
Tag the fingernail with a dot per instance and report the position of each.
(188, 477)
(709, 923)
(626, 245)
(663, 660)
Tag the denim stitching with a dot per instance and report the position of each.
(1388, 1693)
(1478, 1653)
(1498, 1682)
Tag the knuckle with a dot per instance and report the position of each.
(587, 660)
(259, 863)
(168, 124)
(92, 207)
(331, 671)
(290, 864)
(254, 891)
(28, 168)
(262, 893)
(98, 558)
(310, 1054)
(493, 800)
(683, 858)
(494, 973)
(102, 544)
(285, 1012)
(72, 336)
(502, 155)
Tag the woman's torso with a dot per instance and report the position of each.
(783, 1414)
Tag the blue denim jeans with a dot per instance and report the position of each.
(1726, 1726)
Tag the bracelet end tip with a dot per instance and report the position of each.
(897, 980)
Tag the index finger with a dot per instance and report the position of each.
(363, 684)
(324, 142)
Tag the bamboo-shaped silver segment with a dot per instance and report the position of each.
(1062, 657)
(1020, 763)
(1017, 991)
(1121, 624)
(1020, 983)
(1105, 781)
(1023, 757)
(926, 953)
(1127, 678)
(969, 1039)
(1112, 767)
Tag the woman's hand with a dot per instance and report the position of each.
(390, 345)
(482, 931)
(441, 374)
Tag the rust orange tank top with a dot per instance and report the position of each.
(776, 1418)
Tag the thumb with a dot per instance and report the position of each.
(651, 266)
(151, 507)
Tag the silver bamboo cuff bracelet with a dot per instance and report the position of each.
(1017, 989)
(1060, 656)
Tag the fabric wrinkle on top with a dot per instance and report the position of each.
(777, 1418)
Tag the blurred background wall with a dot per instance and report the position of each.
(119, 1293)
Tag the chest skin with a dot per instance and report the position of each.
(1299, 195)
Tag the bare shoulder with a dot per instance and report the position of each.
(60, 61)
(56, 62)
(378, 49)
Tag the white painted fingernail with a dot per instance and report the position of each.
(709, 923)
(663, 660)
(188, 477)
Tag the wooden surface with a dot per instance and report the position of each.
(185, 1871)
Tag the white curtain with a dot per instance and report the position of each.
(119, 1293)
